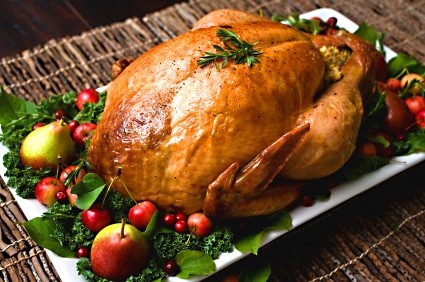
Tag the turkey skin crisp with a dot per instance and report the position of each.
(232, 141)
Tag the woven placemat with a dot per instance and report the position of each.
(378, 236)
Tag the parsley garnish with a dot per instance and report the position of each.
(236, 49)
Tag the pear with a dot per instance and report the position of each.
(118, 251)
(43, 146)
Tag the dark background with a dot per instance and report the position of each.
(28, 23)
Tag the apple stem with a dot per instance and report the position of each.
(122, 228)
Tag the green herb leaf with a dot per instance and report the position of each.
(194, 263)
(42, 231)
(238, 50)
(251, 242)
(260, 272)
(12, 107)
(88, 190)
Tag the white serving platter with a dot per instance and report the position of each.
(66, 267)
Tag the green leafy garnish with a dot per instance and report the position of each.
(12, 107)
(41, 230)
(259, 273)
(88, 190)
(236, 49)
(306, 25)
(369, 34)
(251, 241)
(403, 62)
(416, 140)
(194, 263)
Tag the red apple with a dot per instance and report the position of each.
(96, 218)
(140, 214)
(68, 170)
(199, 224)
(89, 95)
(46, 190)
(83, 133)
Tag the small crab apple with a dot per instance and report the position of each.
(89, 95)
(83, 133)
(199, 224)
(96, 218)
(46, 190)
(140, 214)
(72, 125)
(68, 170)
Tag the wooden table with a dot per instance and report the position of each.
(27, 23)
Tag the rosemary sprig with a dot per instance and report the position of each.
(236, 49)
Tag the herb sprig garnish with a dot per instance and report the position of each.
(235, 48)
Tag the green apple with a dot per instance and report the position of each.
(43, 146)
(118, 251)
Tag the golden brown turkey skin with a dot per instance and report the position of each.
(173, 128)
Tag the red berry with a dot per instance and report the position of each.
(181, 226)
(83, 252)
(181, 216)
(332, 22)
(307, 201)
(61, 196)
(37, 125)
(60, 114)
(170, 219)
(171, 268)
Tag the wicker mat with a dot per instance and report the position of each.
(378, 236)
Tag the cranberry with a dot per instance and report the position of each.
(332, 22)
(37, 125)
(170, 219)
(61, 196)
(83, 252)
(181, 226)
(60, 114)
(181, 216)
(307, 201)
(171, 268)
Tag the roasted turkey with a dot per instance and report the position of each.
(233, 141)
